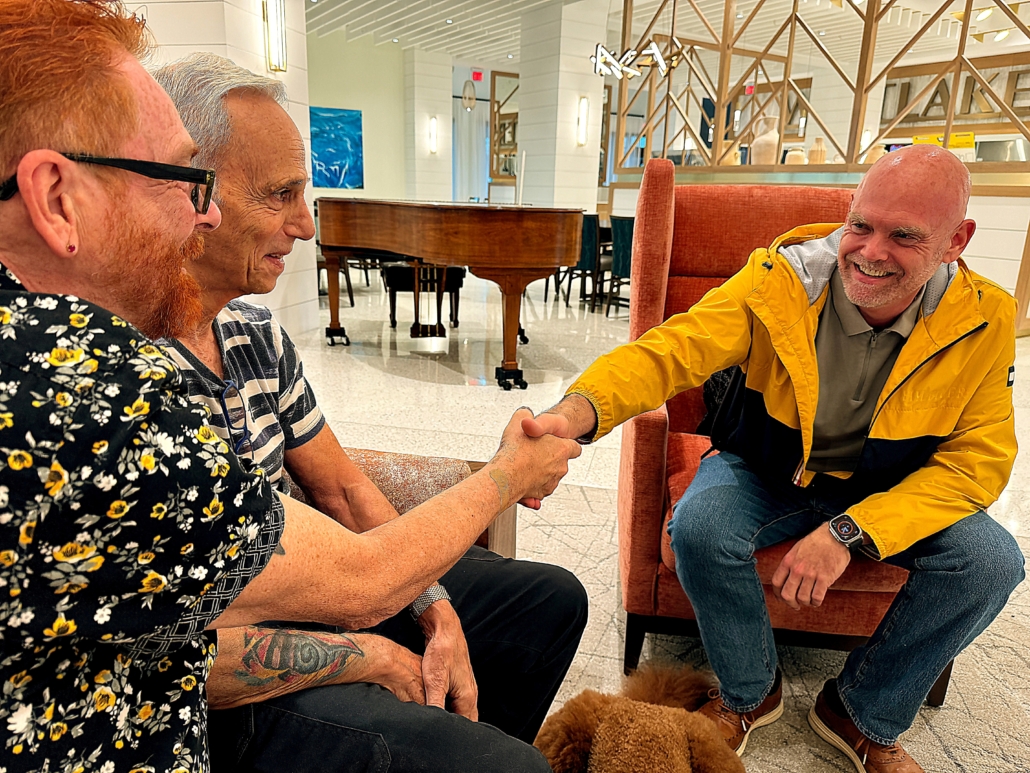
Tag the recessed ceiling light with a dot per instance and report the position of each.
(984, 14)
(450, 21)
(1002, 34)
(740, 16)
(822, 32)
(395, 40)
(511, 56)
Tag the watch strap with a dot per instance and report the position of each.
(435, 592)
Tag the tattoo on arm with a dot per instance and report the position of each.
(500, 480)
(290, 656)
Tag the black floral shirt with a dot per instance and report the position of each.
(126, 527)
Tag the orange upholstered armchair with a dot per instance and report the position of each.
(687, 240)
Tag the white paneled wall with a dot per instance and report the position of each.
(427, 95)
(234, 29)
(554, 74)
(997, 246)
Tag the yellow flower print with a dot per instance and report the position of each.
(73, 552)
(139, 408)
(5, 315)
(142, 768)
(215, 509)
(78, 320)
(56, 479)
(20, 679)
(6, 420)
(147, 462)
(9, 557)
(104, 677)
(118, 508)
(117, 322)
(164, 665)
(70, 587)
(207, 435)
(84, 385)
(100, 446)
(92, 564)
(232, 551)
(188, 682)
(60, 627)
(27, 532)
(145, 558)
(220, 470)
(63, 399)
(89, 366)
(48, 714)
(149, 350)
(153, 583)
(57, 729)
(187, 548)
(61, 356)
(159, 511)
(103, 699)
(145, 712)
(19, 460)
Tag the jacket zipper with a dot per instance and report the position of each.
(943, 349)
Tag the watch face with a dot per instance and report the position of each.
(845, 529)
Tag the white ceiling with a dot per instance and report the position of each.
(484, 31)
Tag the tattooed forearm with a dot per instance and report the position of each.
(500, 479)
(292, 656)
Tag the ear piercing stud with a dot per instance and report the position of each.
(71, 248)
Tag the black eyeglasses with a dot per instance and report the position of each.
(202, 180)
(235, 417)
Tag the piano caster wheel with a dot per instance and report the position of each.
(506, 377)
(393, 324)
(521, 384)
(332, 334)
(505, 385)
(523, 338)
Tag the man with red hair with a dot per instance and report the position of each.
(128, 528)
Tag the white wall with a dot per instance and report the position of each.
(359, 75)
(234, 29)
(427, 95)
(554, 73)
(997, 246)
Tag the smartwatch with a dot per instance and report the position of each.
(846, 531)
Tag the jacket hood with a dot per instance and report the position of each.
(813, 256)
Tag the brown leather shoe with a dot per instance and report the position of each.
(736, 728)
(866, 755)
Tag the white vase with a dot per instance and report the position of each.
(763, 148)
(795, 156)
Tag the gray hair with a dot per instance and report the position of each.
(198, 85)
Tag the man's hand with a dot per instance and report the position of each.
(446, 669)
(392, 666)
(527, 469)
(810, 568)
(573, 417)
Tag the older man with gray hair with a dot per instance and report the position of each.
(315, 696)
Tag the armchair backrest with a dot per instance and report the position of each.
(691, 238)
(591, 243)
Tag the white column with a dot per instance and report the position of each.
(235, 29)
(427, 95)
(555, 74)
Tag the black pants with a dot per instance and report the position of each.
(523, 623)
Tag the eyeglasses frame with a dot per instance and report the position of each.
(151, 169)
(237, 446)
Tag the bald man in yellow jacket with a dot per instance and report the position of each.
(872, 412)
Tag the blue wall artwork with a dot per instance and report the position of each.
(337, 154)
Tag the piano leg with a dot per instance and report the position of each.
(332, 270)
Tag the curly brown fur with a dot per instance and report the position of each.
(680, 687)
(568, 735)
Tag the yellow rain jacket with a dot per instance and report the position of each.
(942, 440)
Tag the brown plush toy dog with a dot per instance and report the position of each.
(650, 727)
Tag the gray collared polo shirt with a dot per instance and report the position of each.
(854, 363)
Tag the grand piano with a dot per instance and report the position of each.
(509, 245)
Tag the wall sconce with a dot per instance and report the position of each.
(581, 121)
(274, 12)
(468, 96)
(432, 134)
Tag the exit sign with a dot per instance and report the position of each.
(477, 75)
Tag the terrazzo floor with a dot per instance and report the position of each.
(437, 396)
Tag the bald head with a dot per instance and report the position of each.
(927, 176)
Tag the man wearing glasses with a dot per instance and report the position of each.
(523, 620)
(129, 531)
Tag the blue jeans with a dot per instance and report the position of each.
(960, 579)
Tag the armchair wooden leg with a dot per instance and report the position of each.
(940, 687)
(635, 630)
